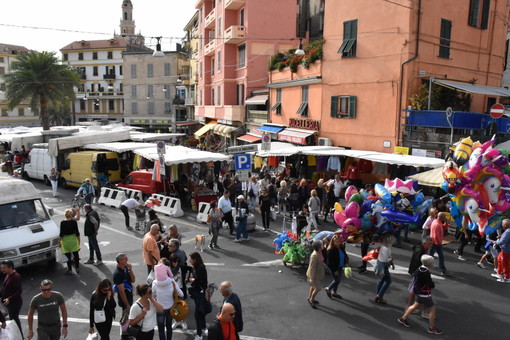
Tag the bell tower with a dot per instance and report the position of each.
(127, 24)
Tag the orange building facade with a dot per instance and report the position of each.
(376, 55)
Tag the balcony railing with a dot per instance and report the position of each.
(194, 56)
(194, 32)
(209, 48)
(234, 4)
(189, 101)
(210, 19)
(235, 35)
(459, 120)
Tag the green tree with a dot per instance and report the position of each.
(40, 79)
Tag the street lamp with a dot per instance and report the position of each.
(300, 50)
(158, 52)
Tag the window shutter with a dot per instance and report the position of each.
(473, 13)
(352, 107)
(347, 30)
(334, 106)
(485, 14)
(354, 29)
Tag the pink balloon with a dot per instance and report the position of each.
(149, 203)
(339, 217)
(352, 221)
(352, 209)
(351, 190)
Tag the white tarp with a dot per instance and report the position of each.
(431, 178)
(118, 146)
(180, 154)
(146, 137)
(81, 139)
(380, 157)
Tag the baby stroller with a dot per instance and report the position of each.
(141, 219)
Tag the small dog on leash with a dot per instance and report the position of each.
(200, 242)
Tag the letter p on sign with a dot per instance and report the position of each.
(243, 162)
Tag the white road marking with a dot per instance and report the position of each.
(264, 263)
(116, 324)
(214, 264)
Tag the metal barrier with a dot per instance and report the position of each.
(112, 197)
(203, 211)
(130, 193)
(170, 206)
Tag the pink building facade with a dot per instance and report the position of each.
(377, 54)
(236, 39)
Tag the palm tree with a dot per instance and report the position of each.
(39, 78)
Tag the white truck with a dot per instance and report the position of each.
(39, 163)
(27, 233)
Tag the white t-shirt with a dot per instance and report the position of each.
(130, 203)
(384, 254)
(149, 321)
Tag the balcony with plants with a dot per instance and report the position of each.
(291, 61)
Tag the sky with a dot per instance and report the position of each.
(52, 24)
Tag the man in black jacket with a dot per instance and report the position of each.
(92, 221)
(418, 250)
(230, 297)
(222, 327)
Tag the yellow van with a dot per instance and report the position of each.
(89, 164)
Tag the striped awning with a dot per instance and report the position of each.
(200, 132)
(431, 178)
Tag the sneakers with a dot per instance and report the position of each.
(481, 265)
(328, 293)
(404, 323)
(98, 263)
(497, 276)
(362, 270)
(456, 252)
(90, 261)
(462, 258)
(210, 246)
(425, 315)
(237, 240)
(502, 280)
(435, 330)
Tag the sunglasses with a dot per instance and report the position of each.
(105, 290)
(46, 289)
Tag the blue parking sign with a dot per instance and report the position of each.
(243, 161)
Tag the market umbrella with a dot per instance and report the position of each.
(431, 178)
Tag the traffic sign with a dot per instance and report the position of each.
(161, 147)
(242, 149)
(266, 142)
(497, 110)
(243, 161)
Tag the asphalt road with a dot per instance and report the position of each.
(471, 304)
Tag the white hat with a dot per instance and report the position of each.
(240, 197)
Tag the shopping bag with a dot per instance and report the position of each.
(59, 256)
(348, 272)
(11, 331)
(273, 215)
(92, 336)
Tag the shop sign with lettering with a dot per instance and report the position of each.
(304, 124)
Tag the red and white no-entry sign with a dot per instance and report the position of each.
(497, 111)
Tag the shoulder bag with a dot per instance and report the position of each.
(99, 315)
(135, 330)
(179, 311)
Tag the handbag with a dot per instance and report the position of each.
(135, 330)
(179, 310)
(92, 336)
(99, 315)
(4, 310)
(59, 256)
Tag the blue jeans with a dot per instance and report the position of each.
(164, 320)
(88, 198)
(384, 283)
(94, 246)
(241, 228)
(438, 248)
(333, 286)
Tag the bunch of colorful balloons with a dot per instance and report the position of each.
(476, 176)
(397, 201)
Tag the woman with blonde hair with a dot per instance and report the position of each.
(70, 240)
(283, 194)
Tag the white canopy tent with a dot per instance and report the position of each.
(380, 157)
(119, 146)
(431, 178)
(180, 154)
(83, 138)
(148, 137)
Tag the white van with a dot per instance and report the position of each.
(27, 232)
(39, 163)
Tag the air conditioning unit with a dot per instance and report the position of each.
(323, 141)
